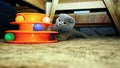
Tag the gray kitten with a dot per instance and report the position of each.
(65, 26)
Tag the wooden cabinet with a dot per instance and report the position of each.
(37, 3)
(110, 5)
(71, 1)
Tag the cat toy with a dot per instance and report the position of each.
(31, 27)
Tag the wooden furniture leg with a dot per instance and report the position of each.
(53, 9)
(48, 8)
(111, 7)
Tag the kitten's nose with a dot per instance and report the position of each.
(59, 24)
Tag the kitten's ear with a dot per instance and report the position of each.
(62, 14)
(72, 20)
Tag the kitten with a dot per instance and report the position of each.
(65, 26)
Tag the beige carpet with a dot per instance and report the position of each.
(93, 52)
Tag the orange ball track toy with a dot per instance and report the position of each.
(30, 29)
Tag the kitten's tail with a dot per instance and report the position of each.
(81, 35)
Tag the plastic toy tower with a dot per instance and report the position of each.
(30, 29)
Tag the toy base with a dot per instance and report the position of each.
(32, 42)
(32, 36)
(36, 32)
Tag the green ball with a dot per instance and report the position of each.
(9, 36)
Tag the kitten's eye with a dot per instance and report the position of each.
(59, 20)
(65, 23)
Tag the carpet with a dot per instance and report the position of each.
(93, 52)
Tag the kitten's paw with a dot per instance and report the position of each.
(49, 28)
(60, 37)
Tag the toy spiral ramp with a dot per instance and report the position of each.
(31, 27)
